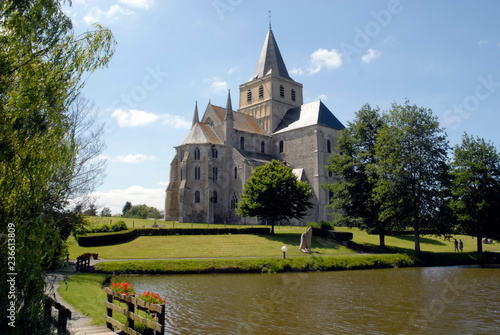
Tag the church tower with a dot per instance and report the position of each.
(270, 93)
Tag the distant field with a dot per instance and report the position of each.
(250, 245)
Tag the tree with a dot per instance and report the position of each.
(354, 164)
(143, 212)
(412, 170)
(126, 207)
(273, 193)
(476, 188)
(91, 211)
(106, 211)
(41, 66)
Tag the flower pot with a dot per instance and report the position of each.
(95, 256)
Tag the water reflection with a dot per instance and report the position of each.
(396, 301)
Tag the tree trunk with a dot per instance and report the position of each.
(272, 226)
(382, 240)
(417, 241)
(479, 244)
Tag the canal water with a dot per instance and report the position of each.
(439, 300)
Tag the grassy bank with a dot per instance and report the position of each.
(84, 292)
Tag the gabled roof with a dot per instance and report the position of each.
(314, 113)
(270, 61)
(242, 121)
(201, 133)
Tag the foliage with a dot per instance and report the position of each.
(126, 207)
(322, 225)
(91, 211)
(41, 66)
(273, 193)
(103, 228)
(142, 212)
(121, 237)
(476, 188)
(411, 169)
(106, 212)
(353, 163)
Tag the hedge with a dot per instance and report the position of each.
(100, 239)
(339, 236)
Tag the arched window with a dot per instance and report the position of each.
(197, 197)
(262, 147)
(249, 96)
(282, 91)
(328, 146)
(215, 154)
(261, 92)
(197, 173)
(281, 147)
(214, 197)
(293, 94)
(234, 201)
(215, 173)
(242, 143)
(196, 154)
(235, 172)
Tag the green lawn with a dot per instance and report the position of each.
(84, 292)
(194, 246)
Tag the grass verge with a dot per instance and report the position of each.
(252, 265)
(84, 292)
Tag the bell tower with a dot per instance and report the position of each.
(270, 93)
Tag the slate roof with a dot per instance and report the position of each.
(242, 121)
(201, 133)
(314, 113)
(270, 61)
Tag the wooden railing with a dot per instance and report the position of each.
(132, 304)
(63, 314)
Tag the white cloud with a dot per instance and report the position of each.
(133, 118)
(297, 71)
(135, 158)
(232, 70)
(370, 55)
(323, 58)
(322, 97)
(137, 195)
(142, 4)
(137, 118)
(219, 85)
(96, 14)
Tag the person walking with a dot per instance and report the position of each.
(456, 245)
(461, 245)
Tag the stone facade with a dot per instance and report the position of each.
(211, 165)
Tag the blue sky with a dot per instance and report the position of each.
(442, 55)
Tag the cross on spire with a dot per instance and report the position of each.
(269, 18)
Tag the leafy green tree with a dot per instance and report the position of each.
(143, 212)
(476, 188)
(273, 193)
(126, 208)
(354, 162)
(412, 171)
(41, 67)
(106, 211)
(91, 211)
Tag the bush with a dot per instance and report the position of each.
(322, 225)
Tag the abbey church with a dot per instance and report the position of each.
(224, 146)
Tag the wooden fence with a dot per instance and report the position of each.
(132, 304)
(63, 314)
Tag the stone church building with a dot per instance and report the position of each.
(211, 165)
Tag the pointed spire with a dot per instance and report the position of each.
(270, 60)
(229, 107)
(196, 118)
